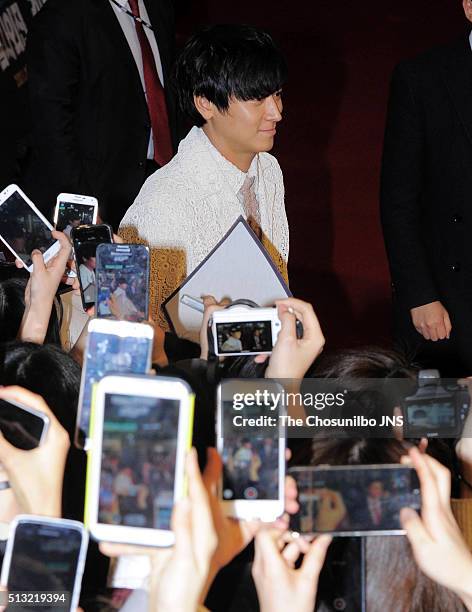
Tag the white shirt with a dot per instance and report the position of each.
(186, 207)
(127, 24)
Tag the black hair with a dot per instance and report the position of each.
(122, 281)
(12, 308)
(227, 61)
(47, 370)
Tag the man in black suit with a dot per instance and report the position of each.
(96, 132)
(426, 204)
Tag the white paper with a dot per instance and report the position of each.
(237, 268)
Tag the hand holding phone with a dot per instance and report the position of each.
(32, 472)
(41, 290)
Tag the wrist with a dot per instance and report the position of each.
(35, 323)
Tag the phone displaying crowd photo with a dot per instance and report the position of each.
(142, 428)
(73, 210)
(354, 500)
(44, 559)
(123, 281)
(22, 426)
(113, 347)
(86, 239)
(254, 454)
(23, 228)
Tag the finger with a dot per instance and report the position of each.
(212, 471)
(423, 330)
(314, 558)
(181, 524)
(292, 551)
(27, 398)
(415, 530)
(111, 549)
(433, 331)
(209, 300)
(306, 314)
(288, 324)
(429, 489)
(447, 324)
(38, 261)
(261, 358)
(266, 550)
(423, 445)
(443, 478)
(19, 263)
(118, 239)
(397, 429)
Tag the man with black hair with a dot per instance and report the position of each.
(229, 80)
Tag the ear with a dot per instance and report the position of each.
(467, 6)
(204, 107)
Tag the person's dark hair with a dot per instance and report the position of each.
(227, 61)
(12, 307)
(50, 372)
(47, 370)
(122, 281)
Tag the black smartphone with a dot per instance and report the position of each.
(22, 426)
(353, 500)
(86, 239)
(44, 562)
(123, 281)
(341, 585)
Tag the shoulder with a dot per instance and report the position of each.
(428, 62)
(270, 165)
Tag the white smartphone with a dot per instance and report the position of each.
(23, 228)
(141, 428)
(73, 210)
(251, 441)
(44, 562)
(242, 330)
(113, 347)
(192, 302)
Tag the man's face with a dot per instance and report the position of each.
(467, 5)
(249, 126)
(75, 222)
(376, 489)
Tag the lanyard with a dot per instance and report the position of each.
(138, 19)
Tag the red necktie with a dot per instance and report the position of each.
(156, 99)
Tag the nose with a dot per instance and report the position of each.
(274, 107)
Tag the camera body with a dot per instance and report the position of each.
(437, 409)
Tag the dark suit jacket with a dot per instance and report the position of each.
(426, 186)
(90, 118)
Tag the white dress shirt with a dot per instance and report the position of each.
(127, 24)
(185, 208)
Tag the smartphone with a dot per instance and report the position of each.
(24, 427)
(354, 500)
(123, 281)
(86, 239)
(23, 228)
(44, 562)
(73, 210)
(251, 442)
(141, 429)
(342, 584)
(113, 347)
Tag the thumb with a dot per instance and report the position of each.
(38, 261)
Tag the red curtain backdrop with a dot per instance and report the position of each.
(341, 55)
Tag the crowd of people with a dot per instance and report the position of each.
(228, 81)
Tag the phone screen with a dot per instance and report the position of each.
(123, 281)
(350, 499)
(23, 229)
(110, 354)
(45, 558)
(250, 458)
(139, 454)
(20, 427)
(73, 214)
(244, 337)
(86, 240)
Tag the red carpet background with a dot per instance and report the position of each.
(340, 55)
